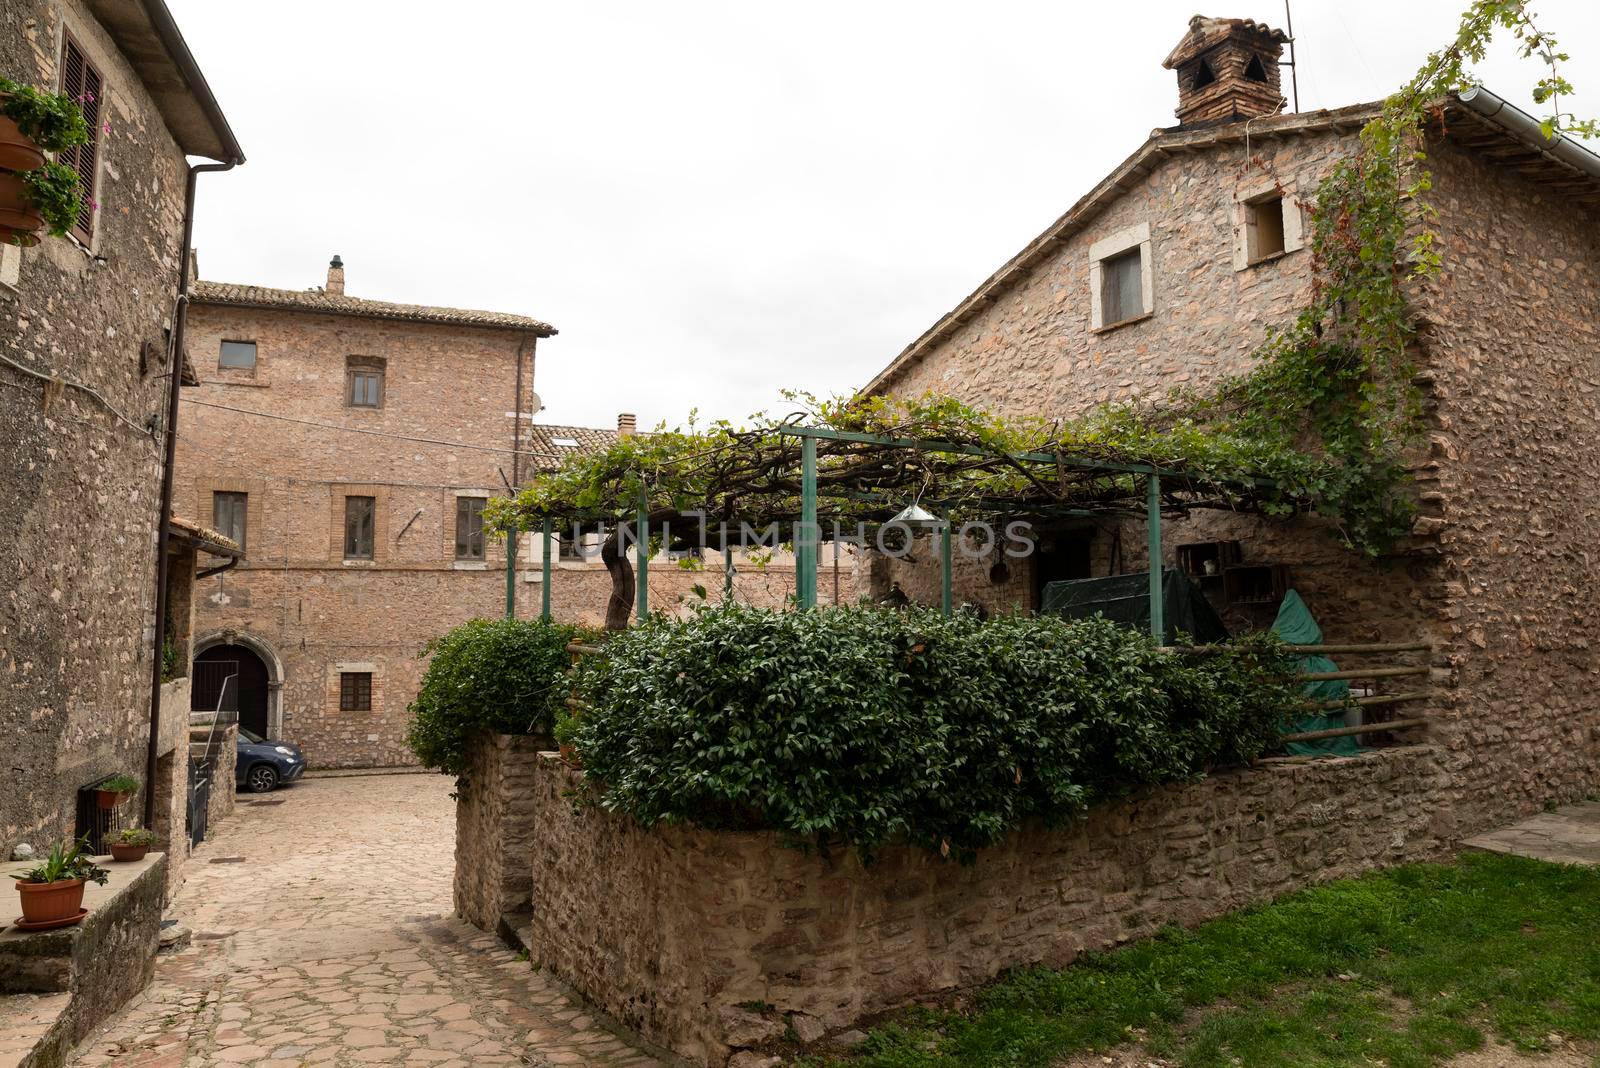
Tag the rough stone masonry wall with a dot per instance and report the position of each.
(674, 931)
(76, 593)
(1512, 338)
(1032, 351)
(494, 828)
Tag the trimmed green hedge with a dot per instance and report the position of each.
(507, 676)
(861, 725)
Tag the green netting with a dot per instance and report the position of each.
(1297, 626)
(1126, 599)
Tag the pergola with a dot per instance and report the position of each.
(798, 473)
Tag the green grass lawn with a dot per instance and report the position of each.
(1405, 967)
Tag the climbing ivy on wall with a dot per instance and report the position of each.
(1338, 380)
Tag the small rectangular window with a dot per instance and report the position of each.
(570, 548)
(1265, 228)
(469, 528)
(364, 382)
(1122, 287)
(355, 691)
(229, 514)
(237, 354)
(359, 515)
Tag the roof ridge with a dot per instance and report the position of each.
(249, 295)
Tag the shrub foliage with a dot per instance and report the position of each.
(506, 676)
(854, 726)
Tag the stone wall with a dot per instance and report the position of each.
(76, 596)
(676, 931)
(494, 828)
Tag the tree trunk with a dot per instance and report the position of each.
(620, 606)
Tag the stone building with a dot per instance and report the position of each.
(351, 445)
(87, 325)
(1171, 271)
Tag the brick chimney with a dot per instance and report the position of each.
(627, 423)
(335, 276)
(1227, 71)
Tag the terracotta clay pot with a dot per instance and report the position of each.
(49, 902)
(569, 756)
(17, 150)
(16, 210)
(126, 853)
(109, 798)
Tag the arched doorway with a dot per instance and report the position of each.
(232, 678)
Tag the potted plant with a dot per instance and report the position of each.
(565, 730)
(46, 198)
(131, 844)
(116, 790)
(33, 123)
(52, 893)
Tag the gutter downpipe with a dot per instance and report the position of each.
(1525, 128)
(165, 508)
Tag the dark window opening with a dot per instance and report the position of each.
(230, 514)
(1266, 228)
(359, 513)
(571, 547)
(1121, 287)
(469, 528)
(1254, 70)
(1203, 76)
(355, 691)
(81, 82)
(237, 354)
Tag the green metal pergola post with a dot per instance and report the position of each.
(511, 573)
(641, 548)
(727, 570)
(806, 538)
(946, 580)
(544, 593)
(1158, 623)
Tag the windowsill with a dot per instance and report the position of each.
(359, 563)
(470, 565)
(1120, 323)
(1269, 258)
(363, 407)
(229, 380)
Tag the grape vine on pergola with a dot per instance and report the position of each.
(846, 465)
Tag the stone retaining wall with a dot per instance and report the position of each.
(494, 828)
(676, 931)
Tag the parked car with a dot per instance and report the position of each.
(264, 765)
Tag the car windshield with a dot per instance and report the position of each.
(251, 736)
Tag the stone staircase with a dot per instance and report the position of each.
(56, 986)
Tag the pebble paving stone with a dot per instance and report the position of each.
(334, 943)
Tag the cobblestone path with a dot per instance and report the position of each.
(332, 942)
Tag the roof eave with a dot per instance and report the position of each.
(147, 35)
(533, 327)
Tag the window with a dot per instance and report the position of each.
(1254, 71)
(82, 82)
(237, 354)
(1121, 278)
(1121, 287)
(364, 382)
(229, 512)
(1264, 228)
(355, 691)
(571, 547)
(469, 528)
(359, 515)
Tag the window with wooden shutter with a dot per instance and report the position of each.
(230, 513)
(469, 528)
(83, 83)
(355, 691)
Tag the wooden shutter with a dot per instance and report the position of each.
(82, 82)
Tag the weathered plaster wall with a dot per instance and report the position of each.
(77, 530)
(698, 925)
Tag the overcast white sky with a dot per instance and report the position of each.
(716, 200)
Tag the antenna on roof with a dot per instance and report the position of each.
(1294, 71)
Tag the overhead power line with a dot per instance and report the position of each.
(373, 433)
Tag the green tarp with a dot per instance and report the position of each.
(1296, 626)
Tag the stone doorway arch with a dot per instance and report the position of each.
(270, 675)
